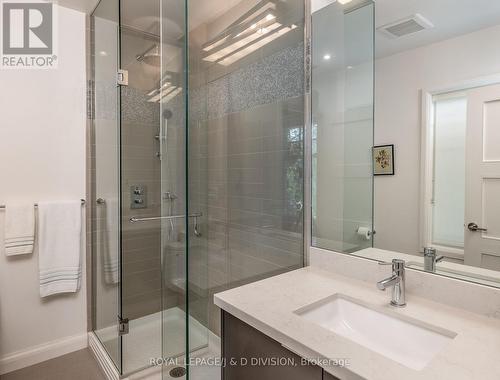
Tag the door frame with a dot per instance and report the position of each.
(427, 158)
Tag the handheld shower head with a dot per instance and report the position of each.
(167, 114)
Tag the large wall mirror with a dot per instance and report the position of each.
(406, 133)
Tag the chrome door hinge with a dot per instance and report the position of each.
(122, 77)
(122, 326)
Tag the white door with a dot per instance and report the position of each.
(482, 192)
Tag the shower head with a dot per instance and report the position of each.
(151, 56)
(167, 114)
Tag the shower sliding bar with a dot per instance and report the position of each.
(136, 220)
(36, 205)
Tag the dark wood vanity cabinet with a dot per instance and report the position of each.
(251, 355)
(327, 376)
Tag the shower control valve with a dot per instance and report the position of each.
(138, 197)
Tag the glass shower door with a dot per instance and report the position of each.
(184, 291)
(106, 241)
(170, 98)
(140, 187)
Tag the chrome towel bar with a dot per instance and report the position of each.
(36, 205)
(136, 220)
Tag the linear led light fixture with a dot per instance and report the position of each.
(265, 13)
(256, 34)
(157, 90)
(268, 7)
(160, 95)
(153, 92)
(256, 24)
(168, 97)
(165, 97)
(215, 44)
(271, 36)
(164, 94)
(256, 28)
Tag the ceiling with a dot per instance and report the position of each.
(86, 6)
(137, 13)
(451, 18)
(347, 38)
(143, 14)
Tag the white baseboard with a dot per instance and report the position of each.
(102, 357)
(41, 353)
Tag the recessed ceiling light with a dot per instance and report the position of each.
(344, 1)
(349, 67)
(270, 17)
(103, 53)
(327, 57)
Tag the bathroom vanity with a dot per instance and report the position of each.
(250, 351)
(304, 314)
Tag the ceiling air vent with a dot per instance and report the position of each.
(406, 26)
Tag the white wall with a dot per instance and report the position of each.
(399, 79)
(42, 157)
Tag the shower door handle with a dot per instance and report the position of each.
(137, 220)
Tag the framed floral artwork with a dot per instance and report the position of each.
(383, 160)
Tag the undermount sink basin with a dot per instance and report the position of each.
(409, 342)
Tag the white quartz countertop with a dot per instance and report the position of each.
(269, 305)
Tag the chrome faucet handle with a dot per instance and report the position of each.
(431, 259)
(394, 262)
(430, 251)
(384, 263)
(396, 281)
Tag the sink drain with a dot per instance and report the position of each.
(177, 372)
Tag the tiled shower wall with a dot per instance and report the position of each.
(246, 164)
(141, 242)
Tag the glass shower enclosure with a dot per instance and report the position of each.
(197, 168)
(139, 179)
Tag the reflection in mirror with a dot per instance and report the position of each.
(342, 111)
(437, 100)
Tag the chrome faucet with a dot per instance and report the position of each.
(430, 259)
(397, 281)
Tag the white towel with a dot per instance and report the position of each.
(19, 229)
(109, 218)
(59, 247)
